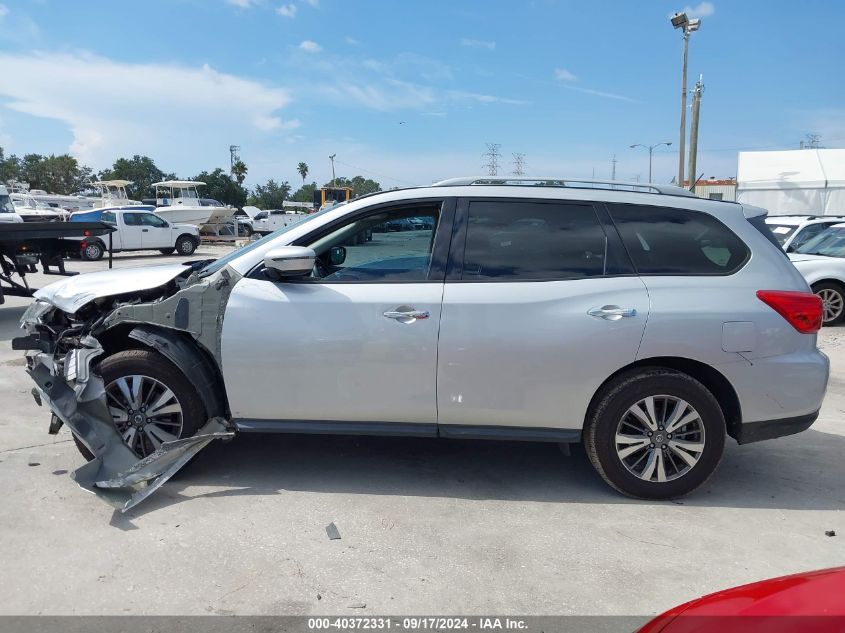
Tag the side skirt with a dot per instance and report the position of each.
(409, 429)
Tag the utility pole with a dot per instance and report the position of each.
(331, 158)
(518, 164)
(613, 170)
(693, 131)
(492, 154)
(681, 21)
(233, 157)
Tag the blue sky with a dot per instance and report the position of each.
(409, 92)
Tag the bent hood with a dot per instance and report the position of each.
(71, 293)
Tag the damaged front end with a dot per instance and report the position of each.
(177, 319)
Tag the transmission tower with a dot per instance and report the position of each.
(233, 157)
(518, 164)
(492, 155)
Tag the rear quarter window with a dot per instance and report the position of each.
(667, 241)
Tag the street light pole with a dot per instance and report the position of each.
(331, 158)
(681, 21)
(650, 149)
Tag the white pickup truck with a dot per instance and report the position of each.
(140, 230)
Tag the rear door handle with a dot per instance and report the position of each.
(145, 230)
(612, 313)
(406, 314)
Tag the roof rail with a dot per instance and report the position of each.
(573, 183)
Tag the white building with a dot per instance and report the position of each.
(715, 189)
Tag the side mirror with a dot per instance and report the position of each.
(337, 255)
(290, 261)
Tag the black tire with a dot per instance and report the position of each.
(828, 292)
(247, 230)
(154, 365)
(613, 402)
(92, 252)
(166, 251)
(186, 245)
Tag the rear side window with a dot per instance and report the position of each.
(666, 241)
(513, 240)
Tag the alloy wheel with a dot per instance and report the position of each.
(660, 438)
(145, 412)
(832, 303)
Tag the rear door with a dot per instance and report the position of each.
(540, 306)
(131, 230)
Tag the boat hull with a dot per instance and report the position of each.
(185, 214)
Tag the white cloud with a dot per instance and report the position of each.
(287, 10)
(111, 108)
(471, 43)
(462, 96)
(388, 95)
(243, 4)
(310, 47)
(561, 74)
(351, 40)
(606, 95)
(701, 10)
(313, 3)
(4, 11)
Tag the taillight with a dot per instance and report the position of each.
(803, 310)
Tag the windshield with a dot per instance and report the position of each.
(6, 205)
(830, 243)
(782, 232)
(217, 264)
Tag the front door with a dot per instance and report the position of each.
(540, 306)
(155, 232)
(354, 343)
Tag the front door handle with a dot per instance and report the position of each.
(406, 314)
(145, 230)
(612, 313)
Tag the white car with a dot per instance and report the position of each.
(794, 230)
(821, 261)
(273, 219)
(140, 230)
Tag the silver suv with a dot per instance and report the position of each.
(638, 319)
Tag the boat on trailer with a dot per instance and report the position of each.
(178, 201)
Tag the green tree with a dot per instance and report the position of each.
(239, 170)
(270, 195)
(302, 168)
(141, 170)
(57, 174)
(305, 193)
(360, 185)
(10, 168)
(222, 187)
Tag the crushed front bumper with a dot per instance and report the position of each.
(77, 397)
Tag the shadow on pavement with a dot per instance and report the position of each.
(805, 472)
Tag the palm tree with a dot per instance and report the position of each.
(239, 170)
(302, 168)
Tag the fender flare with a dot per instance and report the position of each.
(190, 360)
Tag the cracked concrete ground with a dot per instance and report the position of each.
(426, 526)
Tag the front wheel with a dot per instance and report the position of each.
(186, 245)
(655, 434)
(833, 302)
(166, 251)
(150, 401)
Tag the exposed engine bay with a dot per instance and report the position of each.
(75, 325)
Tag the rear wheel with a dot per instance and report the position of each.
(150, 401)
(655, 434)
(166, 251)
(186, 245)
(833, 302)
(92, 251)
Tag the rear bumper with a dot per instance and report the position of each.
(770, 429)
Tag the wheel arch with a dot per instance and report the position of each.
(711, 378)
(188, 355)
(828, 280)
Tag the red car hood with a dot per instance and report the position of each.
(778, 604)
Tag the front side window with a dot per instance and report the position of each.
(665, 241)
(6, 205)
(516, 240)
(392, 245)
(806, 234)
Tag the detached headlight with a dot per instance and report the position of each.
(36, 310)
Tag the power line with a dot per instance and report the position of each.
(492, 154)
(518, 164)
(613, 169)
